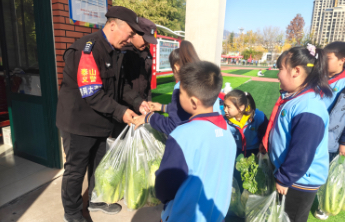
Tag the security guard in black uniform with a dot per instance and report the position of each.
(88, 104)
(136, 68)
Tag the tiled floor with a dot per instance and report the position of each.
(19, 176)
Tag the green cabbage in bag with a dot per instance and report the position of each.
(331, 195)
(128, 169)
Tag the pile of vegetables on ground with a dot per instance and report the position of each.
(128, 168)
(259, 201)
(331, 195)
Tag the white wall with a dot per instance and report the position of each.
(204, 27)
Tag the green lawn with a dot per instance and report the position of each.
(237, 72)
(271, 74)
(234, 81)
(253, 72)
(229, 70)
(165, 79)
(163, 89)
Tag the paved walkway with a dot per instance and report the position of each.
(261, 79)
(243, 67)
(44, 205)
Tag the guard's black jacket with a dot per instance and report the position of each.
(137, 72)
(93, 115)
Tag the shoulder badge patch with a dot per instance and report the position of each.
(284, 112)
(336, 89)
(88, 47)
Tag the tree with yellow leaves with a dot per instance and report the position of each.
(169, 13)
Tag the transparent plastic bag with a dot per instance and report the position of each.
(236, 206)
(264, 176)
(110, 173)
(331, 195)
(266, 208)
(128, 168)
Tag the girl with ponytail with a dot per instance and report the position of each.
(297, 132)
(247, 124)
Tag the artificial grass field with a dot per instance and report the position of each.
(253, 72)
(163, 92)
(265, 95)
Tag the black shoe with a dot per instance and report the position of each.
(105, 208)
(82, 219)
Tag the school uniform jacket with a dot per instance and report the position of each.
(337, 83)
(298, 142)
(176, 113)
(195, 176)
(336, 128)
(250, 136)
(336, 109)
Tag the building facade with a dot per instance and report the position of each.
(34, 37)
(328, 21)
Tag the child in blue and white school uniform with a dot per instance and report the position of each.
(297, 132)
(195, 176)
(336, 134)
(178, 58)
(247, 124)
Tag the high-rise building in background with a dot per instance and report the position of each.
(328, 21)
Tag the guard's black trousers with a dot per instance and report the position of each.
(82, 152)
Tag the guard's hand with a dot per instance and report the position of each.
(342, 150)
(144, 108)
(262, 149)
(282, 190)
(139, 120)
(128, 116)
(155, 106)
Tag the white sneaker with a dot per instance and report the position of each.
(319, 214)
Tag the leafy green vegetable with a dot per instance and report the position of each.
(257, 180)
(154, 166)
(332, 194)
(248, 168)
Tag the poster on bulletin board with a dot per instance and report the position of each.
(164, 48)
(89, 13)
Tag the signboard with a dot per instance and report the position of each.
(89, 13)
(164, 48)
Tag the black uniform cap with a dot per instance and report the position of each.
(126, 15)
(149, 29)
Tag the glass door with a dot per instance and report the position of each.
(28, 63)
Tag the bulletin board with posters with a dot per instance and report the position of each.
(89, 13)
(160, 56)
(164, 48)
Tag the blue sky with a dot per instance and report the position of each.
(256, 14)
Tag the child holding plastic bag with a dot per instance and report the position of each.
(247, 124)
(336, 60)
(335, 104)
(297, 134)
